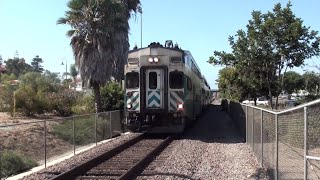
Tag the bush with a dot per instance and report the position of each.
(85, 130)
(308, 98)
(62, 102)
(30, 96)
(13, 163)
(112, 97)
(6, 98)
(224, 104)
(6, 93)
(84, 105)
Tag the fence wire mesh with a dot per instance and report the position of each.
(313, 169)
(250, 126)
(281, 141)
(269, 142)
(257, 133)
(43, 141)
(291, 145)
(313, 134)
(313, 141)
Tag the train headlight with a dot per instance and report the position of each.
(129, 106)
(180, 106)
(156, 59)
(150, 59)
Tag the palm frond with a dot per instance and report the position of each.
(62, 21)
(76, 4)
(71, 33)
(99, 37)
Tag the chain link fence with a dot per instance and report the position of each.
(287, 143)
(39, 142)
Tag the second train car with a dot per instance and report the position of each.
(164, 89)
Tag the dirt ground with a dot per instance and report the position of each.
(28, 139)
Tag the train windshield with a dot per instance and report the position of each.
(176, 80)
(153, 80)
(132, 80)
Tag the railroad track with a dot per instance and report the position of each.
(125, 161)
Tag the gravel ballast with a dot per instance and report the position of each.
(211, 149)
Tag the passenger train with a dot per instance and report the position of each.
(164, 89)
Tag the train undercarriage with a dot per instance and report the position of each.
(155, 122)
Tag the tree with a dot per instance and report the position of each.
(73, 72)
(36, 64)
(273, 42)
(99, 39)
(53, 77)
(311, 82)
(17, 66)
(292, 82)
(228, 83)
(1, 68)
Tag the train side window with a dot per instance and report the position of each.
(176, 80)
(153, 80)
(189, 84)
(132, 80)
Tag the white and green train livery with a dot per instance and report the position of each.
(164, 89)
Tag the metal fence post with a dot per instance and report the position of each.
(45, 142)
(252, 125)
(106, 125)
(110, 125)
(247, 124)
(276, 124)
(305, 142)
(1, 162)
(261, 138)
(95, 128)
(74, 136)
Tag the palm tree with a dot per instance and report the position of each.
(99, 39)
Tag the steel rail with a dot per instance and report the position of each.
(139, 166)
(87, 165)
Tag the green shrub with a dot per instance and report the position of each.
(62, 102)
(308, 98)
(112, 96)
(84, 105)
(6, 97)
(85, 129)
(224, 104)
(13, 163)
(30, 96)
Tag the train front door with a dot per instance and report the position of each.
(154, 88)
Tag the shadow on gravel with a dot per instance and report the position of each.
(167, 175)
(215, 126)
(262, 173)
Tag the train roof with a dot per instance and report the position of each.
(169, 46)
(157, 45)
(175, 48)
(194, 61)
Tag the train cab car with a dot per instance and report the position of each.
(162, 89)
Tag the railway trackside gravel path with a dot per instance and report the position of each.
(212, 149)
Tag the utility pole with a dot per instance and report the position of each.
(66, 68)
(141, 30)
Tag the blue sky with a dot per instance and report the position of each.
(202, 27)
